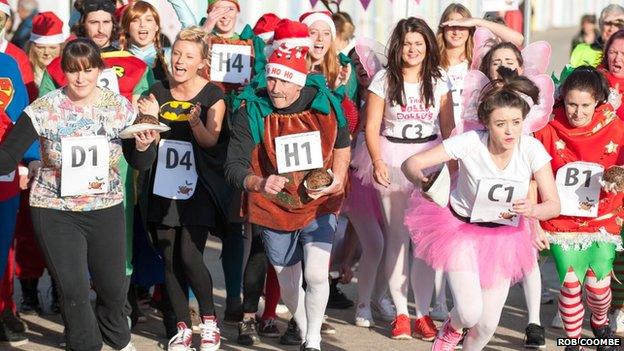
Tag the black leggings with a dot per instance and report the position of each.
(77, 245)
(183, 251)
(255, 272)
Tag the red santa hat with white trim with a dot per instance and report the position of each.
(288, 60)
(47, 29)
(5, 7)
(309, 18)
(265, 27)
(292, 34)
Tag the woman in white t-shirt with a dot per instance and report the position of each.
(409, 109)
(495, 167)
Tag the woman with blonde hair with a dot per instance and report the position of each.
(46, 42)
(183, 194)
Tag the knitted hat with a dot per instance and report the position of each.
(292, 34)
(47, 29)
(212, 2)
(89, 6)
(289, 64)
(325, 16)
(265, 27)
(5, 7)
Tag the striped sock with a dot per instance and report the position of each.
(570, 306)
(617, 289)
(598, 298)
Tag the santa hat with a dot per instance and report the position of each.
(265, 27)
(292, 34)
(47, 29)
(212, 2)
(289, 64)
(5, 7)
(324, 16)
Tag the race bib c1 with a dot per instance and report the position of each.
(579, 188)
(298, 152)
(84, 165)
(108, 80)
(230, 63)
(176, 175)
(494, 200)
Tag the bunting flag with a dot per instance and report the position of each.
(313, 2)
(365, 3)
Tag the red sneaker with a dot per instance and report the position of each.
(425, 329)
(401, 329)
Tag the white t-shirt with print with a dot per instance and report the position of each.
(475, 163)
(414, 120)
(456, 75)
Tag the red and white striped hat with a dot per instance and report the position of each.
(5, 7)
(47, 29)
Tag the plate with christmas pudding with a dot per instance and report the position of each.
(318, 179)
(143, 123)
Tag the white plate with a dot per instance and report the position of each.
(128, 133)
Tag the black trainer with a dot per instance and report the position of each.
(268, 328)
(337, 299)
(605, 332)
(292, 335)
(534, 337)
(12, 321)
(303, 347)
(11, 338)
(247, 334)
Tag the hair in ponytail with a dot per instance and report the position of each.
(588, 79)
(512, 91)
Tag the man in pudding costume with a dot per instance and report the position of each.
(279, 135)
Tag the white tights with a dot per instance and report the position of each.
(532, 286)
(308, 308)
(476, 308)
(396, 258)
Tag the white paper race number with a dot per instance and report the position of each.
(495, 198)
(176, 176)
(412, 130)
(579, 189)
(7, 178)
(230, 63)
(84, 165)
(298, 152)
(108, 80)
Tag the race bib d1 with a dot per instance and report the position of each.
(84, 165)
(7, 178)
(176, 176)
(494, 201)
(108, 80)
(414, 129)
(230, 63)
(298, 152)
(579, 188)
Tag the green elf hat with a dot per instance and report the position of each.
(212, 2)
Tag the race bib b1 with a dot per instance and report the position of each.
(176, 175)
(84, 165)
(298, 152)
(579, 188)
(494, 201)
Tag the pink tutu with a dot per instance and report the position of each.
(393, 155)
(362, 200)
(446, 243)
